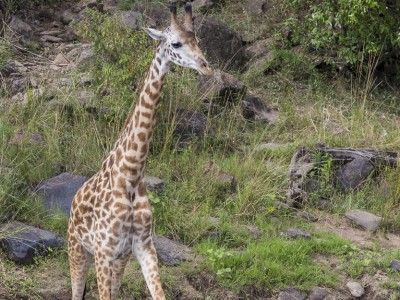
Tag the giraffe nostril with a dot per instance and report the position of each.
(204, 64)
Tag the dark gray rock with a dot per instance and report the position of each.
(20, 26)
(257, 109)
(253, 231)
(258, 6)
(51, 39)
(318, 294)
(152, 15)
(364, 219)
(224, 46)
(355, 289)
(32, 139)
(59, 191)
(189, 126)
(291, 294)
(130, 19)
(85, 56)
(23, 243)
(154, 183)
(395, 265)
(308, 216)
(171, 253)
(221, 88)
(17, 85)
(295, 233)
(84, 97)
(353, 174)
(205, 5)
(259, 48)
(67, 16)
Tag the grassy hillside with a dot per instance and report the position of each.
(348, 108)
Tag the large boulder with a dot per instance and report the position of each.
(205, 5)
(221, 88)
(59, 191)
(222, 45)
(257, 109)
(354, 173)
(23, 243)
(171, 253)
(189, 126)
(20, 26)
(130, 19)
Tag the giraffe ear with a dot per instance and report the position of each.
(154, 33)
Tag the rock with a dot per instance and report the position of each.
(130, 19)
(295, 233)
(67, 16)
(68, 35)
(189, 126)
(282, 205)
(291, 294)
(214, 221)
(152, 15)
(18, 85)
(92, 4)
(50, 38)
(226, 179)
(205, 5)
(259, 48)
(258, 6)
(273, 147)
(32, 139)
(224, 47)
(395, 265)
(60, 60)
(308, 216)
(20, 26)
(257, 109)
(51, 32)
(85, 56)
(355, 289)
(84, 97)
(154, 183)
(221, 87)
(353, 174)
(59, 191)
(254, 231)
(170, 252)
(86, 79)
(364, 219)
(73, 54)
(23, 243)
(334, 127)
(318, 294)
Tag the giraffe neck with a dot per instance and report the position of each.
(131, 149)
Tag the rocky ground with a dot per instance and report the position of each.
(51, 52)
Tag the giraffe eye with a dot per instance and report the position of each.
(176, 45)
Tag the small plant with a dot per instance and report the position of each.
(217, 259)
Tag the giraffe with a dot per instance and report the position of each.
(111, 215)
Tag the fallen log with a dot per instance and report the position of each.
(350, 168)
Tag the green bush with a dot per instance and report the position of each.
(121, 56)
(351, 29)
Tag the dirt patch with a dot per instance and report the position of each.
(363, 238)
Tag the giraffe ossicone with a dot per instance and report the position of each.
(111, 215)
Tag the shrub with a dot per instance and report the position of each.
(350, 28)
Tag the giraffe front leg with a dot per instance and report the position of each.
(79, 263)
(118, 268)
(143, 246)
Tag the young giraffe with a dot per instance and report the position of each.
(111, 215)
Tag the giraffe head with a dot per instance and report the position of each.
(178, 43)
